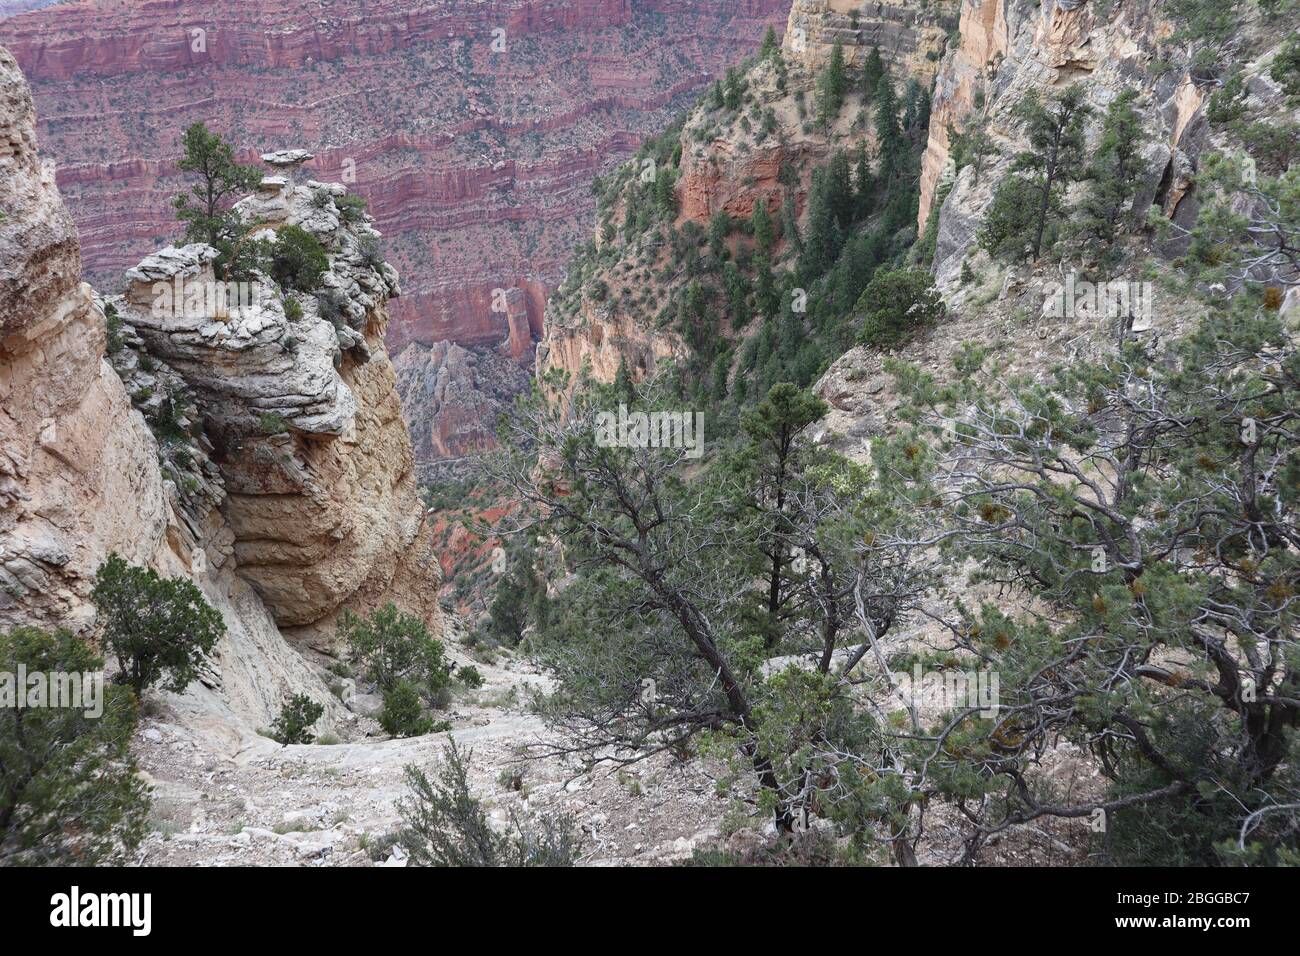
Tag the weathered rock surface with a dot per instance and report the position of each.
(1013, 48)
(299, 399)
(911, 35)
(81, 473)
(121, 427)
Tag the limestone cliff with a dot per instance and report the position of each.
(1011, 48)
(130, 427)
(911, 34)
(298, 397)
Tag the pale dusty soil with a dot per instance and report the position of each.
(226, 796)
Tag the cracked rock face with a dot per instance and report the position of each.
(78, 473)
(1012, 49)
(298, 399)
(106, 446)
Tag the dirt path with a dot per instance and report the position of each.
(224, 795)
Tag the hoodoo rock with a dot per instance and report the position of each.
(102, 449)
(298, 397)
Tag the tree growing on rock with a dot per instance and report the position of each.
(1029, 201)
(654, 640)
(895, 304)
(1107, 207)
(220, 181)
(1145, 506)
(161, 631)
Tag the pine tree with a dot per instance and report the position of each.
(1114, 176)
(734, 89)
(889, 135)
(1055, 156)
(838, 183)
(790, 222)
(971, 147)
(666, 192)
(761, 223)
(205, 209)
(832, 85)
(873, 70)
(862, 185)
(771, 45)
(766, 294)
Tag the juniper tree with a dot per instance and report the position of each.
(1137, 516)
(161, 631)
(653, 638)
(69, 790)
(206, 208)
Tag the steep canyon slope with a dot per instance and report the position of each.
(473, 129)
(132, 428)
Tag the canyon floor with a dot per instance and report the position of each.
(226, 796)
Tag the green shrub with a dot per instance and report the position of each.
(445, 825)
(396, 648)
(469, 676)
(69, 791)
(896, 304)
(1012, 218)
(271, 423)
(298, 260)
(403, 714)
(297, 716)
(292, 309)
(351, 207)
(160, 631)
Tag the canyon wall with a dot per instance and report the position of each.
(910, 34)
(1011, 49)
(261, 457)
(731, 160)
(475, 148)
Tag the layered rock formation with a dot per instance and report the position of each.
(475, 148)
(299, 401)
(78, 475)
(910, 34)
(163, 454)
